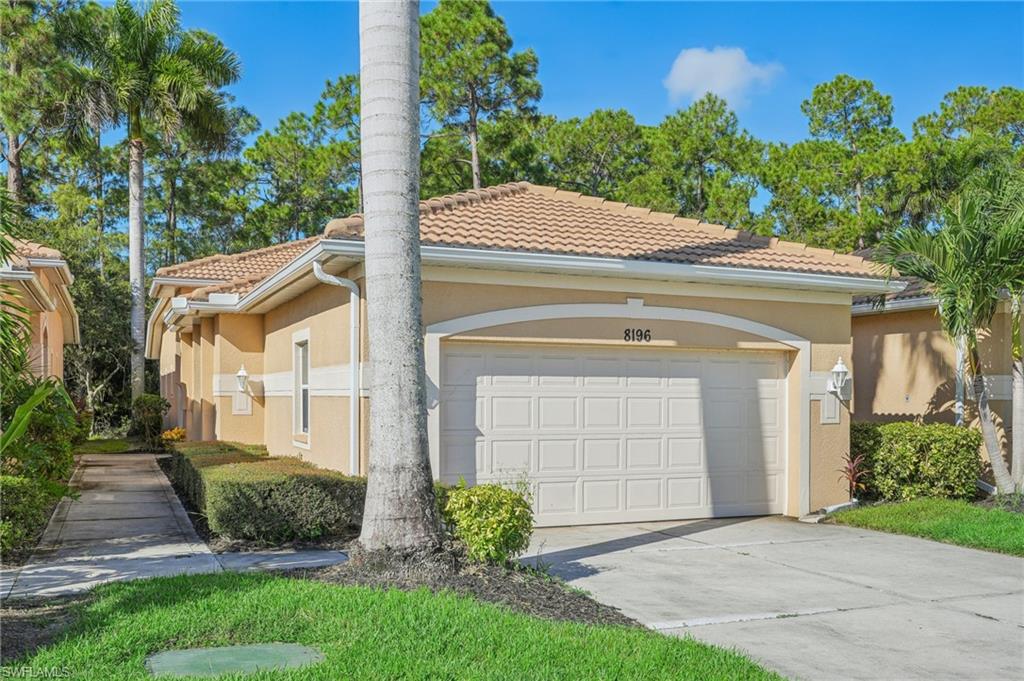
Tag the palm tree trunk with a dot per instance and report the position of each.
(474, 152)
(1017, 419)
(1004, 483)
(399, 512)
(15, 174)
(136, 258)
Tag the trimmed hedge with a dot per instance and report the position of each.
(907, 460)
(245, 494)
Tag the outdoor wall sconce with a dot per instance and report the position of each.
(839, 382)
(242, 379)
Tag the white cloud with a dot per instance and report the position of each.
(725, 71)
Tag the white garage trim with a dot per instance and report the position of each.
(633, 309)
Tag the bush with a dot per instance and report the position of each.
(910, 460)
(495, 523)
(172, 435)
(148, 418)
(24, 507)
(271, 499)
(44, 452)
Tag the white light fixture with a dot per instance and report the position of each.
(840, 379)
(242, 379)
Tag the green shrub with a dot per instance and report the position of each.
(148, 418)
(495, 523)
(24, 507)
(44, 451)
(910, 460)
(271, 499)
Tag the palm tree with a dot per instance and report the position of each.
(971, 262)
(1010, 206)
(400, 513)
(165, 80)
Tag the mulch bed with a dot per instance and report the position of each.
(219, 544)
(522, 589)
(1007, 502)
(29, 624)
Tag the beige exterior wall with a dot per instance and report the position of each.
(265, 343)
(905, 367)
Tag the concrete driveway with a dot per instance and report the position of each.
(811, 601)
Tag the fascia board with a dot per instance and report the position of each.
(636, 269)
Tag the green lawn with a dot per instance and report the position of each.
(945, 520)
(107, 446)
(364, 634)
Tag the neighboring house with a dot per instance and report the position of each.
(40, 278)
(633, 365)
(905, 366)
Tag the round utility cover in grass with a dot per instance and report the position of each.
(231, 659)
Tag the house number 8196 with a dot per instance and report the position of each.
(637, 335)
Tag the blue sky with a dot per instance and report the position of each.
(619, 54)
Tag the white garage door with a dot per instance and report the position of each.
(617, 435)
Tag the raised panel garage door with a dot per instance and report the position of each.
(618, 435)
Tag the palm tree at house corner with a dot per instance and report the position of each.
(971, 262)
(400, 515)
(163, 79)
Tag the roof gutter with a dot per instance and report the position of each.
(633, 269)
(905, 305)
(177, 282)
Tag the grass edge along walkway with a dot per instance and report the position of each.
(945, 520)
(364, 634)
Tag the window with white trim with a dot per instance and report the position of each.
(302, 387)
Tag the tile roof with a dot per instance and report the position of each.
(240, 285)
(915, 287)
(525, 217)
(29, 249)
(221, 267)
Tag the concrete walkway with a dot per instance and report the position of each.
(811, 601)
(128, 523)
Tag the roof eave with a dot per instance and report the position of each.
(633, 269)
(905, 305)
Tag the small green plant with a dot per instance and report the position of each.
(148, 418)
(494, 522)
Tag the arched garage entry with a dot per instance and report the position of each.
(797, 436)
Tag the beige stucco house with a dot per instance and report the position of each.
(40, 279)
(905, 366)
(632, 365)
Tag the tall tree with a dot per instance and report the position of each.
(512, 149)
(197, 184)
(702, 165)
(400, 513)
(164, 79)
(598, 155)
(470, 73)
(969, 263)
(306, 170)
(42, 90)
(828, 188)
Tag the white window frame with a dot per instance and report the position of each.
(300, 347)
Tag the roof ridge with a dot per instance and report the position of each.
(352, 224)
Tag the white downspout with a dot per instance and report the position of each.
(960, 357)
(353, 360)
